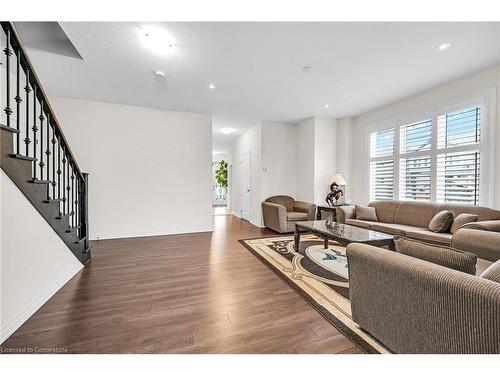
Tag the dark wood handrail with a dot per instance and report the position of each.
(40, 92)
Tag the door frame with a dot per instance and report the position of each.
(249, 153)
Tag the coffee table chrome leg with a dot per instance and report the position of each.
(325, 243)
(296, 238)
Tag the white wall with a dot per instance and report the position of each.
(150, 169)
(449, 93)
(279, 159)
(249, 141)
(325, 156)
(35, 263)
(305, 160)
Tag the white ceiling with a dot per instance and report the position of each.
(257, 67)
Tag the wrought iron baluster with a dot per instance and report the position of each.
(73, 195)
(42, 119)
(68, 200)
(47, 153)
(64, 181)
(27, 89)
(18, 101)
(77, 209)
(59, 168)
(8, 54)
(53, 160)
(35, 129)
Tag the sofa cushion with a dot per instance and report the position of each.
(417, 214)
(359, 223)
(462, 219)
(385, 210)
(366, 213)
(441, 222)
(444, 256)
(397, 229)
(492, 272)
(428, 236)
(296, 216)
(283, 200)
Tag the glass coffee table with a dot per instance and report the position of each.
(342, 233)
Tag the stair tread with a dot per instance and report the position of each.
(22, 157)
(40, 181)
(71, 229)
(8, 128)
(80, 240)
(52, 200)
(63, 216)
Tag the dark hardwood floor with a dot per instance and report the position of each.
(194, 293)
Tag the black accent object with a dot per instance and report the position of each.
(33, 168)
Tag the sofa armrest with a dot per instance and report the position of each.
(308, 208)
(489, 225)
(274, 216)
(413, 306)
(345, 212)
(483, 243)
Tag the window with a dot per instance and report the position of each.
(434, 159)
(382, 165)
(458, 160)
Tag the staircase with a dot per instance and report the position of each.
(35, 154)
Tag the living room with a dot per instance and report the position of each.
(261, 182)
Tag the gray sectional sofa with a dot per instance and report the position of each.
(411, 219)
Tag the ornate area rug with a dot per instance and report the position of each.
(319, 275)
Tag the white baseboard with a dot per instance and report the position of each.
(22, 316)
(110, 236)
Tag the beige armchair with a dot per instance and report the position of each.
(281, 211)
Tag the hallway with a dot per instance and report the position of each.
(192, 293)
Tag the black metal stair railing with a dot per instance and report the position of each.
(44, 142)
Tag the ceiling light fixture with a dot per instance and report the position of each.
(327, 106)
(443, 46)
(211, 86)
(307, 68)
(227, 130)
(160, 73)
(157, 39)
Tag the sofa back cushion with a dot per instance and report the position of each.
(366, 213)
(283, 200)
(492, 272)
(385, 210)
(445, 256)
(417, 214)
(483, 213)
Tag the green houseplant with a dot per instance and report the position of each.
(221, 174)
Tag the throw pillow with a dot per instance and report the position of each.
(492, 272)
(366, 213)
(462, 219)
(444, 256)
(441, 222)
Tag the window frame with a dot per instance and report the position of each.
(486, 100)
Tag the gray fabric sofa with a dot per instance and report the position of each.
(411, 219)
(421, 307)
(280, 213)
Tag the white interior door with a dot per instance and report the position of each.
(245, 186)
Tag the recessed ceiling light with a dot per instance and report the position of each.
(307, 68)
(157, 39)
(443, 46)
(327, 106)
(211, 86)
(160, 73)
(227, 130)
